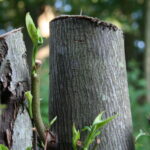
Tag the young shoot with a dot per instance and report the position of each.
(3, 147)
(35, 36)
(33, 96)
(52, 121)
(29, 98)
(92, 132)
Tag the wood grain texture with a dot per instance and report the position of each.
(88, 76)
(14, 81)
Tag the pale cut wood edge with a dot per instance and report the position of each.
(96, 21)
(10, 32)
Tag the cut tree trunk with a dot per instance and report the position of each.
(88, 76)
(15, 123)
(147, 52)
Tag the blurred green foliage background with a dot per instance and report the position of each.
(126, 14)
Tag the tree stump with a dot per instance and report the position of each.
(15, 124)
(88, 76)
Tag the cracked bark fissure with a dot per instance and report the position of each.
(15, 123)
(88, 76)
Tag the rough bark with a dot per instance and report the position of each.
(15, 125)
(88, 76)
(147, 52)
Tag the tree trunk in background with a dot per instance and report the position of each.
(147, 52)
(88, 76)
(15, 125)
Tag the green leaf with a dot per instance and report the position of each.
(40, 38)
(52, 121)
(76, 137)
(98, 118)
(32, 31)
(35, 36)
(104, 122)
(3, 147)
(29, 97)
(97, 133)
(39, 42)
(29, 148)
(97, 124)
(86, 128)
(2, 106)
(141, 134)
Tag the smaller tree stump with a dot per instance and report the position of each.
(15, 125)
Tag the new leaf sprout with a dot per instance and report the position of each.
(92, 132)
(52, 121)
(35, 36)
(29, 97)
(3, 147)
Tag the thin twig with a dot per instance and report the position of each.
(36, 102)
(46, 140)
